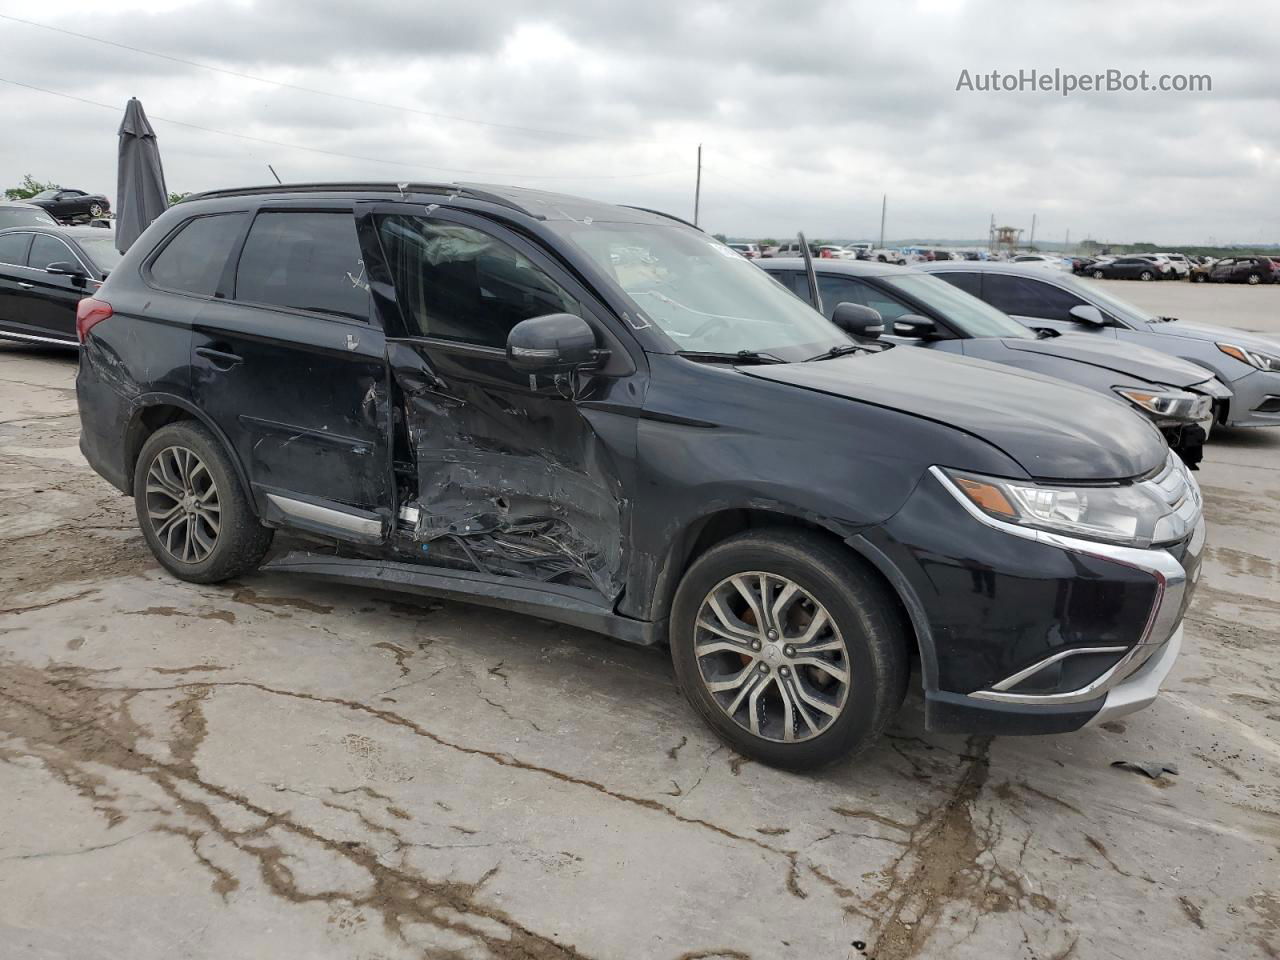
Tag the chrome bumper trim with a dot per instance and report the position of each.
(1140, 688)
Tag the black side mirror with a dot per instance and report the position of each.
(858, 321)
(915, 327)
(554, 343)
(1087, 313)
(66, 269)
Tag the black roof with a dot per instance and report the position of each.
(542, 204)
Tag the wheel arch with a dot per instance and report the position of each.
(151, 412)
(706, 531)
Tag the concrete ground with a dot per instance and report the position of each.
(280, 768)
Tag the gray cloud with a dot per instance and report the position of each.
(807, 113)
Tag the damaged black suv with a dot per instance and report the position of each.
(600, 415)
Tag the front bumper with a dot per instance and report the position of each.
(1257, 400)
(1032, 632)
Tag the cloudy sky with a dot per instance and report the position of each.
(807, 113)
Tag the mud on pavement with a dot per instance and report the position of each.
(279, 767)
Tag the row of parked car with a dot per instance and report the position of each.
(1252, 269)
(808, 477)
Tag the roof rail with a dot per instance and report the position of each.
(663, 213)
(381, 187)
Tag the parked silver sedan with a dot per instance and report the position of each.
(1247, 363)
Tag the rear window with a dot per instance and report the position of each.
(192, 261)
(304, 260)
(13, 248)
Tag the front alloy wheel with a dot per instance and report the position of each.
(1146, 275)
(1098, 275)
(771, 657)
(1254, 279)
(183, 505)
(95, 209)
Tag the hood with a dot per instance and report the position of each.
(1194, 331)
(1126, 359)
(1052, 429)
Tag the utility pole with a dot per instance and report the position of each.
(697, 188)
(1032, 242)
(991, 235)
(1066, 244)
(884, 205)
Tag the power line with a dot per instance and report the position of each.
(322, 93)
(336, 153)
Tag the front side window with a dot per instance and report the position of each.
(699, 293)
(970, 283)
(13, 248)
(457, 283)
(962, 311)
(1024, 297)
(304, 260)
(46, 250)
(102, 251)
(192, 261)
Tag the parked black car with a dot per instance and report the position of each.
(916, 309)
(68, 205)
(604, 417)
(1250, 270)
(16, 213)
(44, 273)
(1126, 268)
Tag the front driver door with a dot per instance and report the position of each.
(289, 364)
(507, 473)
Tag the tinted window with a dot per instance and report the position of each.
(46, 250)
(102, 250)
(969, 314)
(456, 283)
(1024, 297)
(192, 261)
(888, 306)
(970, 283)
(13, 248)
(304, 260)
(835, 291)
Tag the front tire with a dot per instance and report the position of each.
(788, 648)
(1254, 279)
(192, 509)
(1099, 275)
(95, 209)
(1146, 275)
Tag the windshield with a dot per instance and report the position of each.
(24, 217)
(700, 293)
(968, 314)
(102, 250)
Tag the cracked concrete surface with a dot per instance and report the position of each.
(278, 767)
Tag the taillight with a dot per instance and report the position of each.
(89, 313)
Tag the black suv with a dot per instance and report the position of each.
(602, 416)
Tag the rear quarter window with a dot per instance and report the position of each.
(192, 262)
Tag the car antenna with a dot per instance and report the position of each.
(274, 174)
(814, 296)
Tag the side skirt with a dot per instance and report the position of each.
(566, 605)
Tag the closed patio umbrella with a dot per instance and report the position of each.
(140, 191)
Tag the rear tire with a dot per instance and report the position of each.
(1099, 275)
(1254, 279)
(192, 508)
(1146, 275)
(805, 716)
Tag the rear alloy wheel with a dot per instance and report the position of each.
(192, 508)
(1198, 278)
(1254, 279)
(1099, 275)
(788, 648)
(1146, 275)
(95, 209)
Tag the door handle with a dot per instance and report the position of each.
(26, 286)
(220, 359)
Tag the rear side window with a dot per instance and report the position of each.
(46, 250)
(192, 262)
(1024, 297)
(13, 248)
(970, 283)
(306, 260)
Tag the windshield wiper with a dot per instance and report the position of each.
(839, 350)
(742, 356)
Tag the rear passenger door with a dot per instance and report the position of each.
(14, 283)
(289, 364)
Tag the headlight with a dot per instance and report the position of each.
(1263, 361)
(1170, 404)
(1160, 510)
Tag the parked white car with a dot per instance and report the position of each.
(1043, 260)
(1181, 265)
